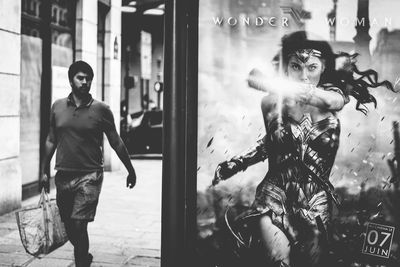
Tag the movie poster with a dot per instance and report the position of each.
(298, 141)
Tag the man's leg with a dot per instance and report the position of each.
(78, 236)
(65, 202)
(69, 230)
(87, 190)
(68, 226)
(80, 240)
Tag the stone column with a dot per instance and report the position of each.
(112, 75)
(10, 54)
(86, 36)
(86, 49)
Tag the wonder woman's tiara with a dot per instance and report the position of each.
(304, 54)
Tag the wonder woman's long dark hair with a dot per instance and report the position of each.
(347, 77)
(358, 87)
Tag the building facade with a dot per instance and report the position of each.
(40, 39)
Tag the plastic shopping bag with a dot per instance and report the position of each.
(40, 228)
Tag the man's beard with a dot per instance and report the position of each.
(81, 92)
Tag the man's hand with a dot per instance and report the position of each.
(131, 180)
(44, 182)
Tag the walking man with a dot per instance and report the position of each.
(77, 124)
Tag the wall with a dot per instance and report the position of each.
(10, 173)
(86, 36)
(112, 75)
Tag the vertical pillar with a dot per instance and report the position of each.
(10, 54)
(112, 75)
(45, 81)
(86, 36)
(86, 49)
(180, 133)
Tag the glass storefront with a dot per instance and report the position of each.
(62, 54)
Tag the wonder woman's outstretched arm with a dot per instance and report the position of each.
(240, 162)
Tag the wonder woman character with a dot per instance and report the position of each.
(290, 217)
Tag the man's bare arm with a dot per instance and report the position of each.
(119, 147)
(49, 149)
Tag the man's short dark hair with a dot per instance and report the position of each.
(80, 66)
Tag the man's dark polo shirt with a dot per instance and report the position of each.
(78, 133)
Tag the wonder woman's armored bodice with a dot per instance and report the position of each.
(301, 156)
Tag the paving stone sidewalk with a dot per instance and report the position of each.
(126, 231)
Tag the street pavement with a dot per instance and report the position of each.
(126, 230)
